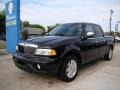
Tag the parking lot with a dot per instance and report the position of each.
(98, 75)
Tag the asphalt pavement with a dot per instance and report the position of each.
(97, 75)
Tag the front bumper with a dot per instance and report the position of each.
(47, 65)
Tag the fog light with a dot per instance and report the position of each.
(38, 66)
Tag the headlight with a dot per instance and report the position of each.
(16, 47)
(46, 52)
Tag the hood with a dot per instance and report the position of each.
(48, 40)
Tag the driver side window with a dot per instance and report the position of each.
(89, 28)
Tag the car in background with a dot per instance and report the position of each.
(117, 39)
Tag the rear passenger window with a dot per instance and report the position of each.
(89, 28)
(98, 31)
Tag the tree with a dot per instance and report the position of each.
(51, 27)
(26, 24)
(118, 34)
(2, 22)
(2, 25)
(24, 35)
(112, 33)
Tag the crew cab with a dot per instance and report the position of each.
(64, 50)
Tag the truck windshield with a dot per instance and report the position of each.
(66, 30)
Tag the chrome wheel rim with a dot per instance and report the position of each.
(110, 53)
(71, 68)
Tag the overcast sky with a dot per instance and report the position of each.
(50, 12)
(1, 4)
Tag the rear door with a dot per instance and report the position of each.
(101, 40)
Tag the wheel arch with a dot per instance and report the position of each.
(73, 52)
(112, 47)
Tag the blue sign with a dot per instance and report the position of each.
(12, 25)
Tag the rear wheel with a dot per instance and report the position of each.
(69, 69)
(109, 55)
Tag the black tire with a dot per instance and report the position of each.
(63, 72)
(109, 55)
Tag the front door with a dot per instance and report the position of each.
(89, 45)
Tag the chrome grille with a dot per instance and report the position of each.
(26, 49)
(21, 49)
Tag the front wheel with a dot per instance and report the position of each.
(69, 69)
(109, 55)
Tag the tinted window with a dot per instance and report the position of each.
(89, 28)
(98, 31)
(67, 30)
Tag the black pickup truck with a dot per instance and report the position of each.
(64, 50)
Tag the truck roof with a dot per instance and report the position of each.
(81, 23)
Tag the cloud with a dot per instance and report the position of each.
(48, 12)
(2, 4)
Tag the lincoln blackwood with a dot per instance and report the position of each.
(64, 50)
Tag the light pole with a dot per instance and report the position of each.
(111, 12)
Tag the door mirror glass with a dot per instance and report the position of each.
(90, 34)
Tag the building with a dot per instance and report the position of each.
(34, 32)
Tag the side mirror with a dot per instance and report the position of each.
(90, 34)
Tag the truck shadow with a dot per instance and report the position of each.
(91, 68)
